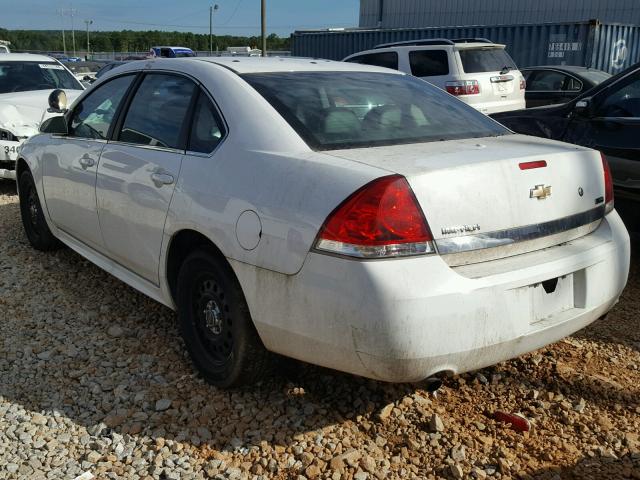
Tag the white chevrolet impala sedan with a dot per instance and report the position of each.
(345, 215)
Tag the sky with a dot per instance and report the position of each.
(233, 17)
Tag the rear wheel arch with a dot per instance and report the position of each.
(214, 318)
(182, 244)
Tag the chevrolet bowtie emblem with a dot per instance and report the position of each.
(540, 192)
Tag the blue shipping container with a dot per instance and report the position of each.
(608, 47)
(434, 13)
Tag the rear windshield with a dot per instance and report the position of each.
(184, 53)
(477, 60)
(596, 76)
(28, 76)
(334, 110)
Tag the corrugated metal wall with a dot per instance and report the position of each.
(606, 47)
(438, 13)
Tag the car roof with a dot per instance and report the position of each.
(25, 57)
(289, 64)
(456, 46)
(242, 65)
(462, 46)
(566, 68)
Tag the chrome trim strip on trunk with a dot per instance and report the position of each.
(481, 241)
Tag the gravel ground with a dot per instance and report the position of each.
(94, 379)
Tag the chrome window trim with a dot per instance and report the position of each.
(482, 241)
(146, 147)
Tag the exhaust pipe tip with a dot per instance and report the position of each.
(432, 384)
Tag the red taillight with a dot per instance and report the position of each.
(532, 165)
(382, 219)
(523, 83)
(608, 185)
(463, 87)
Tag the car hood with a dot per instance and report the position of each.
(21, 113)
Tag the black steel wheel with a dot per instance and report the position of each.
(33, 221)
(215, 323)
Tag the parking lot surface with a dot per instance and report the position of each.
(94, 378)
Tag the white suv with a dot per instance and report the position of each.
(476, 70)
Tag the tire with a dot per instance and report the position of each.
(216, 325)
(33, 221)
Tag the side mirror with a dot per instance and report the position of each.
(584, 107)
(57, 101)
(55, 125)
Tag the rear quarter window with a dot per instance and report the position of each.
(429, 63)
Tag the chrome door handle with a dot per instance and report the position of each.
(86, 162)
(160, 179)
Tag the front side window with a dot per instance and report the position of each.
(333, 110)
(382, 59)
(94, 115)
(158, 111)
(429, 63)
(547, 81)
(206, 130)
(478, 60)
(624, 101)
(29, 76)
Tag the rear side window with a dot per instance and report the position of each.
(158, 111)
(477, 60)
(429, 63)
(207, 129)
(382, 59)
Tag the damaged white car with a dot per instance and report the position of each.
(346, 215)
(26, 81)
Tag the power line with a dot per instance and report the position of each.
(205, 27)
(234, 13)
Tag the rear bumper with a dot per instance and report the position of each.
(406, 319)
(489, 108)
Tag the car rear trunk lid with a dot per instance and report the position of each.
(482, 203)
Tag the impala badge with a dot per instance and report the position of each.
(540, 192)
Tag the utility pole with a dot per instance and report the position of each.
(264, 27)
(88, 22)
(212, 9)
(72, 12)
(64, 43)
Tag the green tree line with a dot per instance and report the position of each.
(130, 40)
